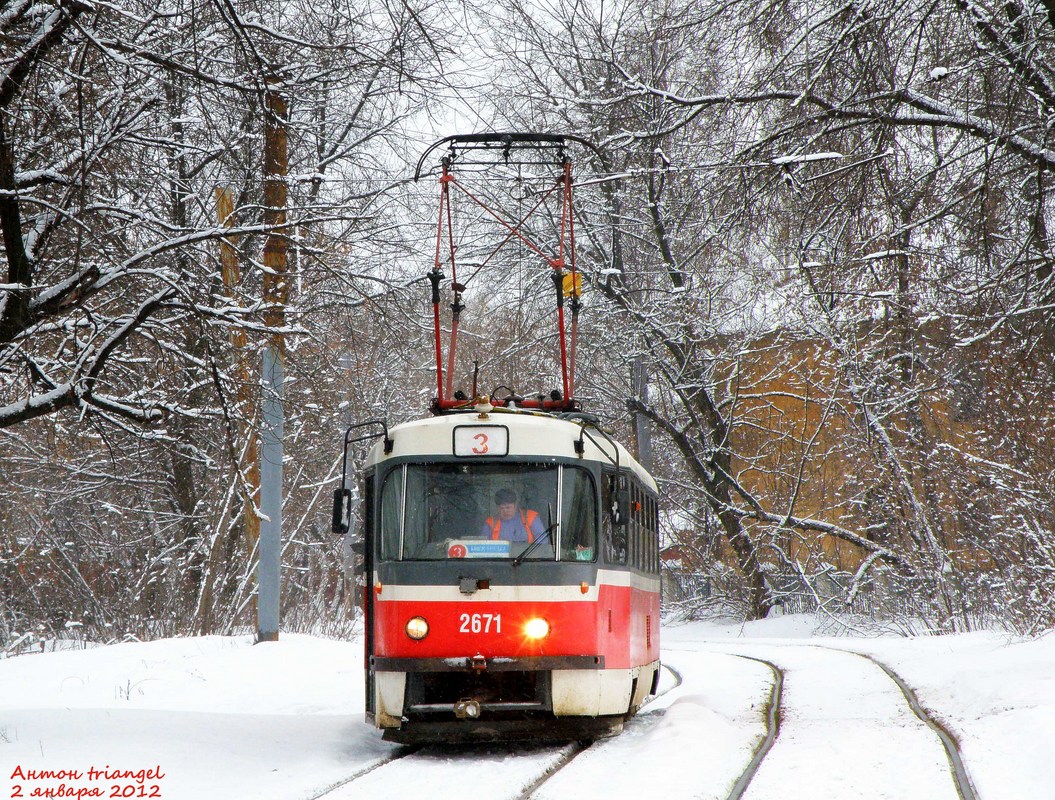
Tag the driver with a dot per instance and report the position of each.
(512, 523)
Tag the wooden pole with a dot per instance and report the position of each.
(248, 466)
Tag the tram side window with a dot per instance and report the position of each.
(639, 529)
(646, 531)
(391, 513)
(653, 517)
(642, 527)
(641, 532)
(419, 511)
(646, 534)
(615, 545)
(578, 517)
(631, 533)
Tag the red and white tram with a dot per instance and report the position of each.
(472, 635)
(511, 553)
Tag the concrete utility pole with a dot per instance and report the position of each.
(276, 294)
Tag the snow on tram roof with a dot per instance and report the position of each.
(502, 432)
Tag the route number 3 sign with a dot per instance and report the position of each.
(481, 441)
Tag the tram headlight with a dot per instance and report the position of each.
(536, 628)
(417, 628)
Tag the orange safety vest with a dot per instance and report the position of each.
(526, 517)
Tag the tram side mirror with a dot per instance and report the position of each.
(342, 510)
(621, 506)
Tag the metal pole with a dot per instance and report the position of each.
(268, 574)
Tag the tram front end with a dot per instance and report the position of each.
(500, 598)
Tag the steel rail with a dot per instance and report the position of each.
(960, 776)
(772, 715)
(578, 748)
(403, 752)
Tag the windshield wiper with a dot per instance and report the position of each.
(541, 539)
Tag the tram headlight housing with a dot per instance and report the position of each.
(536, 628)
(417, 628)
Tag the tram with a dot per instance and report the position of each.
(511, 563)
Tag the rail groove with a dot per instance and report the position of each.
(579, 747)
(960, 776)
(773, 708)
(569, 754)
(381, 762)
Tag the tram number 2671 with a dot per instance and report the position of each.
(480, 623)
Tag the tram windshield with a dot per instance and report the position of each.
(498, 511)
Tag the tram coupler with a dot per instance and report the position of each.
(467, 709)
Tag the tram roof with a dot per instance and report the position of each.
(529, 434)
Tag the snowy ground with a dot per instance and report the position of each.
(220, 718)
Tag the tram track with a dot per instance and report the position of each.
(572, 751)
(333, 788)
(960, 776)
(772, 718)
(443, 765)
(539, 765)
(563, 756)
(558, 759)
(771, 711)
(957, 771)
(578, 748)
